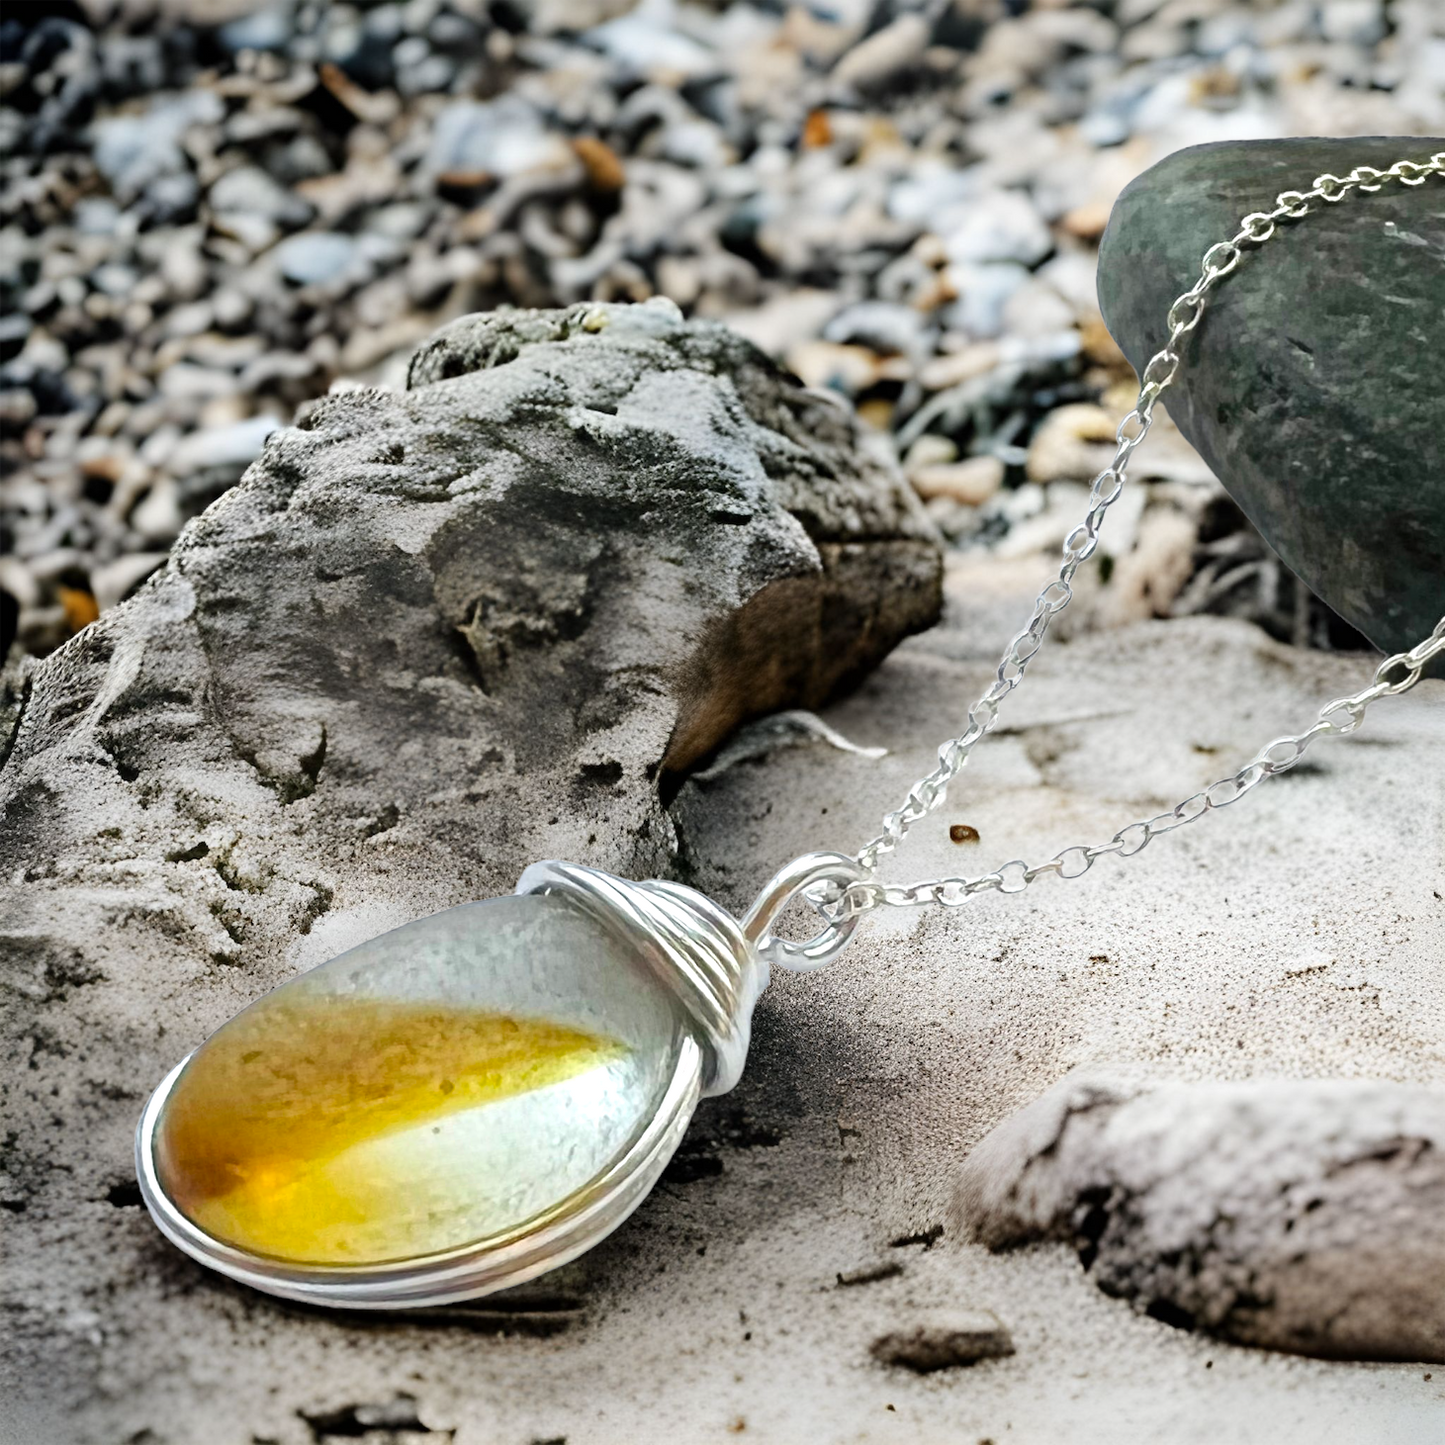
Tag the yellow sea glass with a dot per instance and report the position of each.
(439, 1085)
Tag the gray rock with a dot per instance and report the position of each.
(266, 29)
(248, 189)
(97, 216)
(1311, 387)
(1303, 1216)
(999, 226)
(640, 45)
(499, 138)
(132, 151)
(113, 279)
(231, 447)
(17, 406)
(430, 76)
(315, 257)
(431, 637)
(171, 199)
(888, 53)
(115, 581)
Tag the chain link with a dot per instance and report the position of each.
(1343, 715)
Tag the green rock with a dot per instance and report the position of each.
(1312, 386)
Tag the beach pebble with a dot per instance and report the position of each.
(1301, 1215)
(972, 481)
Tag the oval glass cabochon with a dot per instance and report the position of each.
(434, 1088)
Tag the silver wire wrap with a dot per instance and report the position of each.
(687, 942)
(842, 905)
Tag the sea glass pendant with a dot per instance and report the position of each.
(467, 1101)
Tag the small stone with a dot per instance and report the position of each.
(265, 29)
(1036, 309)
(884, 55)
(944, 1339)
(972, 481)
(817, 131)
(498, 138)
(1001, 226)
(17, 406)
(983, 292)
(96, 216)
(189, 320)
(1357, 22)
(849, 369)
(650, 50)
(1074, 443)
(431, 75)
(869, 1274)
(1100, 347)
(934, 195)
(381, 109)
(882, 326)
(1087, 221)
(604, 170)
(232, 308)
(170, 200)
(233, 447)
(79, 606)
(133, 151)
(1152, 566)
(779, 321)
(157, 518)
(187, 381)
(249, 190)
(315, 257)
(929, 450)
(255, 231)
(42, 352)
(699, 144)
(115, 581)
(19, 581)
(113, 279)
(956, 367)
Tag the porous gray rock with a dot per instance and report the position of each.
(1299, 1215)
(1311, 387)
(432, 636)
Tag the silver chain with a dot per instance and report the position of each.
(1395, 675)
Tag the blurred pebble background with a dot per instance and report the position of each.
(213, 211)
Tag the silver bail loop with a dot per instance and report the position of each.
(782, 888)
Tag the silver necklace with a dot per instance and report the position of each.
(480, 1096)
